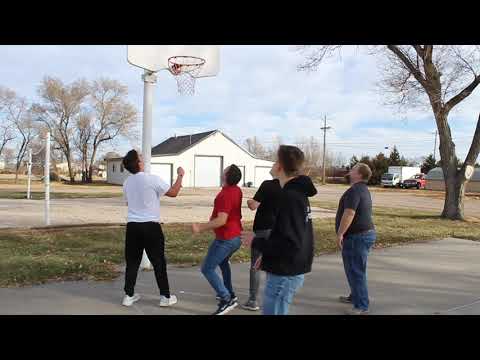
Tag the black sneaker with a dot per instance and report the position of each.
(345, 299)
(233, 297)
(225, 307)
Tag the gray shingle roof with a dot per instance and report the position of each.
(437, 174)
(177, 144)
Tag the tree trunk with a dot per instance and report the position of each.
(16, 173)
(70, 170)
(90, 174)
(454, 179)
(90, 166)
(454, 195)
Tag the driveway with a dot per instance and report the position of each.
(426, 278)
(398, 198)
(190, 206)
(196, 205)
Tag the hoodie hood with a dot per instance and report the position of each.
(302, 184)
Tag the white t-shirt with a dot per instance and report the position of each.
(142, 193)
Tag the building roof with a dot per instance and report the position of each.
(112, 155)
(437, 174)
(177, 144)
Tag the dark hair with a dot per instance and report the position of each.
(291, 158)
(233, 175)
(131, 162)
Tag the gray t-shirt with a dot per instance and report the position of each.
(356, 198)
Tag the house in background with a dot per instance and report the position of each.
(435, 181)
(203, 156)
(102, 171)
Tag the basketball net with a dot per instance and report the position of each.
(185, 69)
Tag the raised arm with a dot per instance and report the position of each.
(175, 189)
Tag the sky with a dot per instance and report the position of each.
(258, 92)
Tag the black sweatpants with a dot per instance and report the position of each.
(148, 236)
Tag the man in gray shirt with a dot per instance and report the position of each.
(355, 236)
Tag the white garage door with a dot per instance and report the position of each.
(207, 171)
(262, 173)
(242, 181)
(164, 171)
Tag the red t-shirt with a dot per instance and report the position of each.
(229, 201)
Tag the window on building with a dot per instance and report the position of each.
(121, 168)
(113, 168)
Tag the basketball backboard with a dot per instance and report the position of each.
(155, 57)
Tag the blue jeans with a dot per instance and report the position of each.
(279, 293)
(354, 253)
(219, 254)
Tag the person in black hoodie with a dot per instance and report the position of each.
(287, 254)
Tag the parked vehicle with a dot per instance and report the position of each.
(396, 175)
(418, 181)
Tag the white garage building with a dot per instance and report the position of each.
(203, 156)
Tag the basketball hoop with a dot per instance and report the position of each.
(185, 69)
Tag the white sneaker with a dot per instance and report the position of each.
(164, 301)
(130, 300)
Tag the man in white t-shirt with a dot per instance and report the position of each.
(142, 193)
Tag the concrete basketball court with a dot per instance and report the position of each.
(436, 277)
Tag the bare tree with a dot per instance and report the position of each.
(271, 151)
(312, 150)
(60, 108)
(6, 134)
(8, 156)
(255, 147)
(438, 76)
(112, 116)
(18, 117)
(82, 141)
(6, 128)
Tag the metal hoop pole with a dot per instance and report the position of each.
(29, 166)
(149, 79)
(47, 179)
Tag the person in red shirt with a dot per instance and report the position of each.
(226, 223)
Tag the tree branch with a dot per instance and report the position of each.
(315, 57)
(410, 66)
(474, 147)
(420, 51)
(450, 104)
(428, 54)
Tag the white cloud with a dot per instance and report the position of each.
(258, 92)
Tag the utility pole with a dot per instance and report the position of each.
(324, 128)
(435, 146)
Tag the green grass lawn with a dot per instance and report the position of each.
(79, 253)
(40, 195)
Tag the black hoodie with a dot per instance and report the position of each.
(289, 249)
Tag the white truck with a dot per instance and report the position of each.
(397, 174)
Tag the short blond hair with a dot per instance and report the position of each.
(364, 170)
